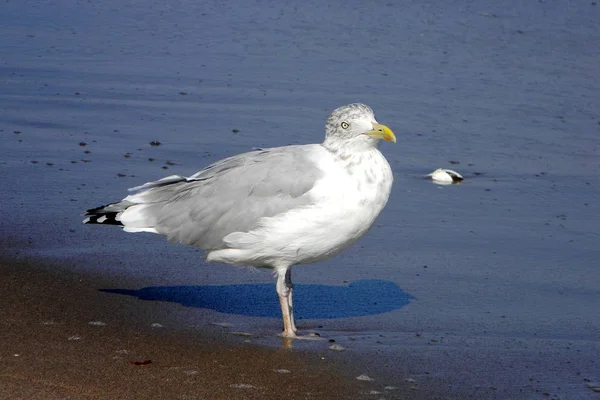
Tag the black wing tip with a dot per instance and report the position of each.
(103, 219)
(99, 215)
(105, 222)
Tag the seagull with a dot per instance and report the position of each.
(271, 208)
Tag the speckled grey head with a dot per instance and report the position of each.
(341, 120)
(353, 127)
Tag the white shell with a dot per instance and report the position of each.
(445, 176)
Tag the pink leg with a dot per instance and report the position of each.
(284, 288)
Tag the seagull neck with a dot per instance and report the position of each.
(346, 149)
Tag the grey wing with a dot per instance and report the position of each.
(231, 195)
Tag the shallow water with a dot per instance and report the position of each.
(507, 95)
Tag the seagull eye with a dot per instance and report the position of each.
(345, 125)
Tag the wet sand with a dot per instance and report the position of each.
(63, 340)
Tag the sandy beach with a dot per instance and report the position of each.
(65, 337)
(61, 339)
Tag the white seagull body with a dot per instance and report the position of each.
(275, 207)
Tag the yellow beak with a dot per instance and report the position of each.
(382, 132)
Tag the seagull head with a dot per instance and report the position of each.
(355, 126)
